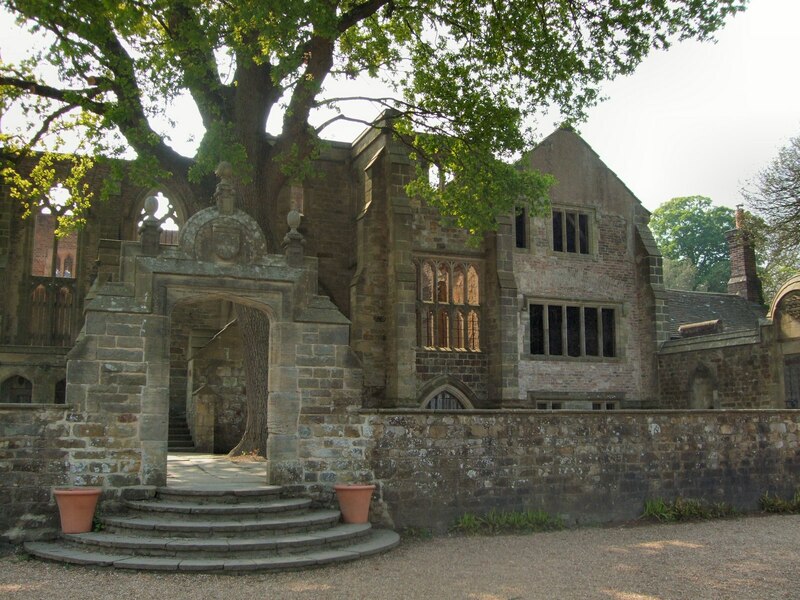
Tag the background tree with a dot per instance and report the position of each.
(774, 197)
(691, 230)
(778, 258)
(679, 274)
(466, 75)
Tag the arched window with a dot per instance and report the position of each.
(459, 282)
(473, 287)
(443, 284)
(473, 332)
(51, 253)
(16, 390)
(458, 332)
(443, 329)
(52, 314)
(448, 305)
(446, 398)
(426, 284)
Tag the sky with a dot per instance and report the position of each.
(704, 119)
(698, 119)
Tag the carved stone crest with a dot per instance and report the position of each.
(227, 241)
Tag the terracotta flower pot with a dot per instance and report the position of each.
(76, 507)
(354, 502)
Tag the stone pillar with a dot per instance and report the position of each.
(401, 301)
(283, 405)
(504, 353)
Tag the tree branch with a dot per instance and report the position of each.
(360, 12)
(197, 61)
(69, 97)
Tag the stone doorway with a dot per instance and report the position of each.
(207, 388)
(118, 373)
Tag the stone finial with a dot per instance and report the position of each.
(150, 230)
(225, 195)
(150, 207)
(294, 241)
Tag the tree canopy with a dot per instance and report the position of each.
(691, 230)
(467, 77)
(774, 196)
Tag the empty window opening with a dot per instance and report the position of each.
(571, 232)
(573, 331)
(556, 336)
(168, 219)
(53, 256)
(521, 227)
(549, 405)
(60, 396)
(16, 390)
(604, 406)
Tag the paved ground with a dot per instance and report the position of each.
(756, 558)
(213, 469)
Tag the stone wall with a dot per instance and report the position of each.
(736, 370)
(587, 467)
(42, 446)
(468, 368)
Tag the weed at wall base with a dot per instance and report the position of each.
(686, 509)
(774, 504)
(498, 522)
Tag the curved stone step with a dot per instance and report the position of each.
(219, 493)
(195, 509)
(165, 525)
(218, 547)
(377, 541)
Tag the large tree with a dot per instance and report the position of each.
(691, 230)
(467, 76)
(774, 196)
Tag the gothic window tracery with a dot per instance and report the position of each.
(448, 305)
(51, 314)
(168, 217)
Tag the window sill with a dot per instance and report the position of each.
(574, 359)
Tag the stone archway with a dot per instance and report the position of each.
(785, 314)
(118, 372)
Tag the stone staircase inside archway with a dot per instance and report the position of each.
(179, 436)
(218, 529)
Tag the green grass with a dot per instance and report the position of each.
(686, 509)
(497, 522)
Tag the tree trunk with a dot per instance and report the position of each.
(254, 330)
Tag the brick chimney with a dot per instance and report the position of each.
(744, 280)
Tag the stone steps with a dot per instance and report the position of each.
(218, 529)
(192, 509)
(179, 437)
(221, 526)
(378, 541)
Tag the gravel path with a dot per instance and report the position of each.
(748, 558)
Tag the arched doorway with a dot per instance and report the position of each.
(119, 374)
(785, 314)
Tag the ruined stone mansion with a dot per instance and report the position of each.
(546, 367)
